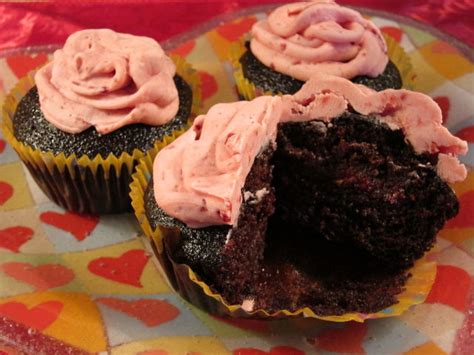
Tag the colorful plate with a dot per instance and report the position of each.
(87, 283)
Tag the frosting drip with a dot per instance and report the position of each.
(199, 177)
(306, 38)
(107, 80)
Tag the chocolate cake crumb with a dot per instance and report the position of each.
(229, 257)
(359, 183)
(304, 270)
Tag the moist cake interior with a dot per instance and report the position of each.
(334, 214)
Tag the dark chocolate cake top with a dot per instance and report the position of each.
(32, 129)
(278, 83)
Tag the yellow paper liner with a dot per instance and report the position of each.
(248, 91)
(245, 88)
(192, 288)
(402, 61)
(57, 174)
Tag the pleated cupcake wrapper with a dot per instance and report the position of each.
(402, 61)
(248, 91)
(79, 183)
(186, 71)
(196, 291)
(245, 88)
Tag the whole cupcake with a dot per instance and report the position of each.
(104, 100)
(322, 203)
(302, 39)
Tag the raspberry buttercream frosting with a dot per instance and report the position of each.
(305, 38)
(106, 79)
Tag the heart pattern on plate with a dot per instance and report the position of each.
(346, 340)
(451, 287)
(393, 32)
(149, 311)
(465, 218)
(42, 277)
(126, 269)
(208, 84)
(233, 31)
(39, 317)
(6, 192)
(23, 64)
(80, 226)
(444, 105)
(13, 238)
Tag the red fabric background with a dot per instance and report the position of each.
(25, 24)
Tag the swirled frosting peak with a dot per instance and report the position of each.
(199, 177)
(106, 79)
(305, 38)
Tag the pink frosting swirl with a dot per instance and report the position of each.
(199, 177)
(203, 171)
(107, 80)
(305, 38)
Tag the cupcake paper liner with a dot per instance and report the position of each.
(79, 183)
(245, 88)
(402, 61)
(180, 276)
(248, 91)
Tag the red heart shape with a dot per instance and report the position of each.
(234, 30)
(150, 312)
(156, 352)
(393, 32)
(23, 64)
(277, 350)
(39, 317)
(451, 287)
(184, 49)
(465, 218)
(208, 84)
(467, 134)
(13, 238)
(2, 145)
(345, 340)
(42, 277)
(444, 105)
(126, 269)
(80, 226)
(441, 47)
(6, 191)
(247, 324)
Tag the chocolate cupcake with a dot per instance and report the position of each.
(103, 102)
(322, 203)
(302, 39)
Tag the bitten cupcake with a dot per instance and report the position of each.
(104, 100)
(320, 204)
(302, 39)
